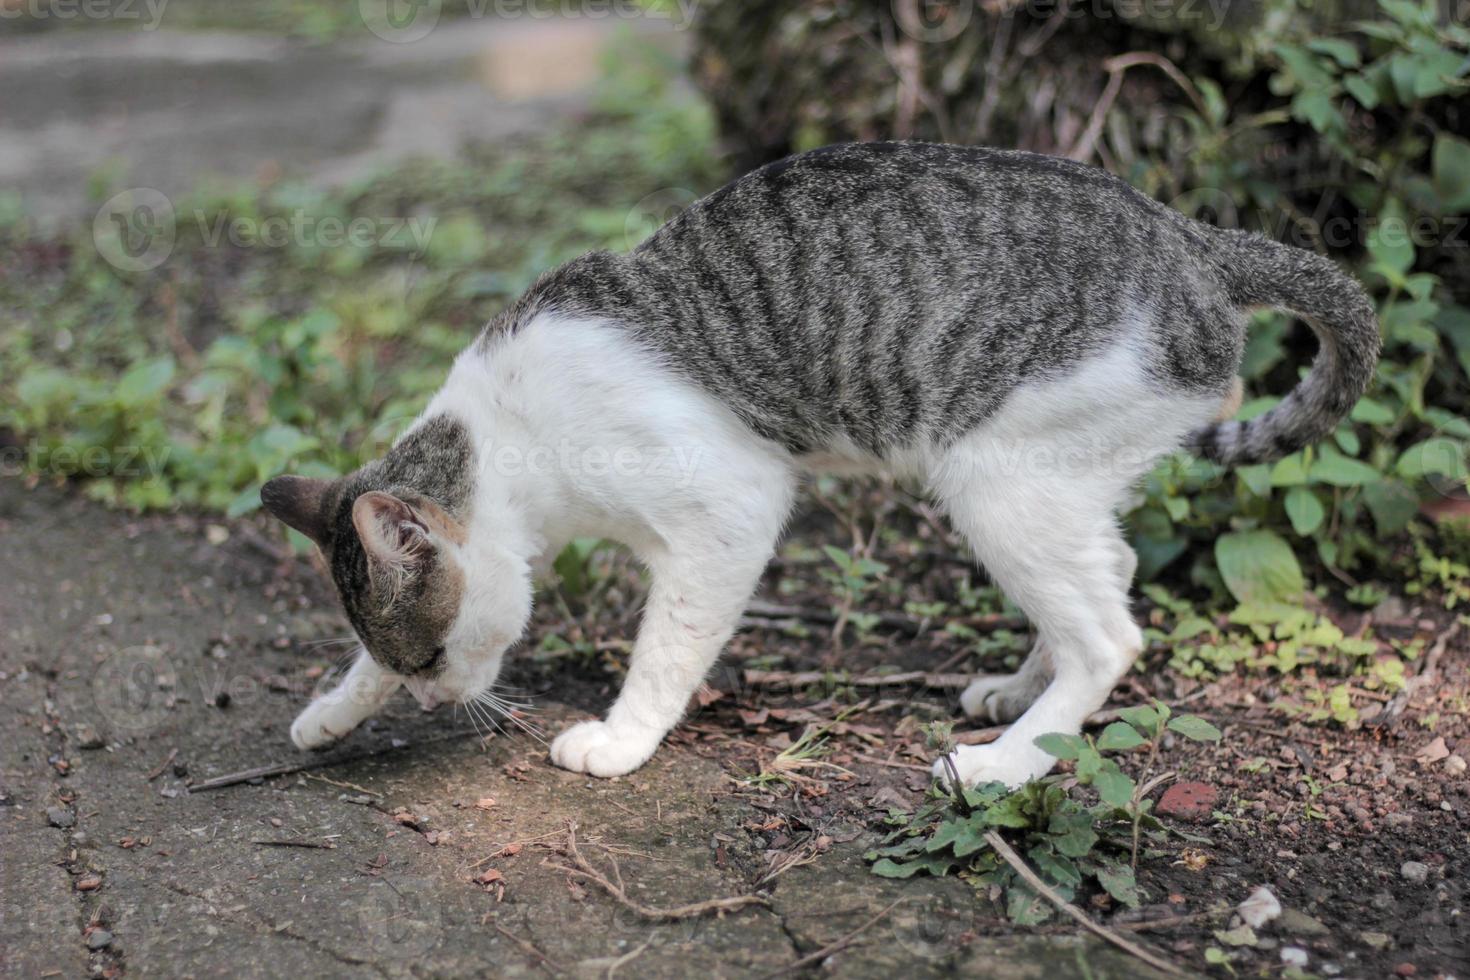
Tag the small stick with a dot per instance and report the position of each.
(582, 869)
(813, 677)
(319, 845)
(155, 773)
(1426, 673)
(539, 958)
(837, 947)
(287, 768)
(893, 620)
(1041, 888)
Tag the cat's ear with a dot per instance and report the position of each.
(394, 536)
(297, 502)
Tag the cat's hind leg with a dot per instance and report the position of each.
(1053, 546)
(1002, 698)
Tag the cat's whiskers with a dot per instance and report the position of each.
(511, 711)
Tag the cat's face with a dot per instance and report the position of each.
(429, 605)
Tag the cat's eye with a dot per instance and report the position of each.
(435, 661)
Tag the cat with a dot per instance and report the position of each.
(1023, 335)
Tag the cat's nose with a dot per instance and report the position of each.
(427, 700)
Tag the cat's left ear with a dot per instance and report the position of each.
(394, 536)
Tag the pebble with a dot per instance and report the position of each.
(1405, 970)
(1378, 940)
(60, 817)
(1414, 872)
(1295, 922)
(1456, 765)
(89, 883)
(1259, 908)
(88, 738)
(1294, 956)
(99, 939)
(1188, 801)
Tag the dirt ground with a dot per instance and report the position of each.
(141, 658)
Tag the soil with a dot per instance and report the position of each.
(142, 657)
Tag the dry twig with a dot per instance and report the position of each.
(582, 869)
(1008, 854)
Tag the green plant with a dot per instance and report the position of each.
(1068, 842)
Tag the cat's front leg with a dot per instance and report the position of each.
(692, 609)
(330, 717)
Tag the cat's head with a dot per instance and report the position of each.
(430, 604)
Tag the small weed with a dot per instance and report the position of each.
(1070, 843)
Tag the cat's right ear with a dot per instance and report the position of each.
(297, 502)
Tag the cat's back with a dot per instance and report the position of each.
(884, 293)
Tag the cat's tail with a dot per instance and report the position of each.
(1259, 272)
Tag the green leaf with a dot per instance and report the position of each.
(1141, 717)
(1362, 90)
(1119, 735)
(1257, 478)
(1072, 833)
(1371, 412)
(144, 382)
(1118, 881)
(936, 864)
(1441, 456)
(1055, 866)
(1061, 746)
(1392, 504)
(1113, 785)
(1194, 728)
(1342, 471)
(1025, 907)
(1305, 510)
(1289, 471)
(1451, 169)
(1259, 567)
(1340, 51)
(247, 501)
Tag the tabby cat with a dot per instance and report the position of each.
(1022, 335)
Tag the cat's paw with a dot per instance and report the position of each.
(596, 748)
(996, 763)
(317, 726)
(1000, 698)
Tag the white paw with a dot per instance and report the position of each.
(596, 748)
(1012, 765)
(1000, 698)
(317, 726)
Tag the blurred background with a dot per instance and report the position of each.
(244, 237)
(240, 236)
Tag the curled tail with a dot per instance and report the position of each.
(1258, 272)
